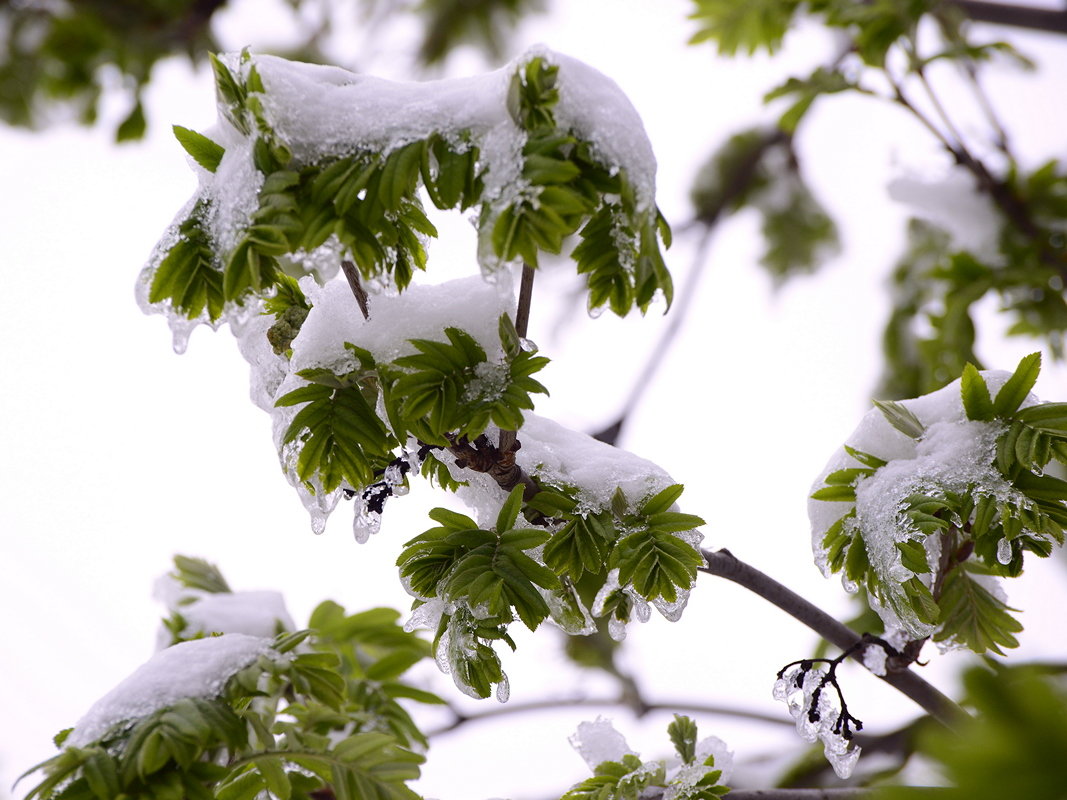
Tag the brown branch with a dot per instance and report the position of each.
(506, 440)
(582, 702)
(1017, 16)
(483, 456)
(723, 564)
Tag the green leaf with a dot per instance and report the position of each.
(196, 573)
(974, 617)
(747, 26)
(683, 735)
(338, 436)
(663, 500)
(901, 418)
(1018, 386)
(975, 395)
(133, 126)
(509, 512)
(203, 150)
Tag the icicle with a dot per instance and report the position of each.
(365, 522)
(503, 689)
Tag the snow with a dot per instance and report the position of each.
(598, 741)
(559, 456)
(954, 453)
(198, 668)
(953, 204)
(256, 613)
(421, 312)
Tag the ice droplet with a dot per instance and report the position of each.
(365, 523)
(180, 331)
(595, 313)
(1004, 551)
(318, 522)
(616, 629)
(503, 689)
(672, 612)
(528, 345)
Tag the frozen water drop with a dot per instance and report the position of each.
(318, 523)
(503, 689)
(595, 313)
(616, 629)
(528, 345)
(1004, 551)
(365, 523)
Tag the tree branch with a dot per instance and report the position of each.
(1017, 16)
(724, 564)
(585, 702)
(506, 440)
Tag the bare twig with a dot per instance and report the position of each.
(610, 434)
(506, 440)
(723, 564)
(687, 706)
(1018, 16)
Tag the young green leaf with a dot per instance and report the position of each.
(203, 150)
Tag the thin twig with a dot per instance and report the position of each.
(506, 441)
(610, 434)
(723, 564)
(462, 719)
(1049, 20)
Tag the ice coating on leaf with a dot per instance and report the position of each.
(598, 741)
(684, 777)
(426, 616)
(953, 454)
(1004, 551)
(199, 669)
(616, 626)
(267, 369)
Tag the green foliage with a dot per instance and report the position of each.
(695, 778)
(618, 251)
(337, 434)
(981, 531)
(296, 723)
(187, 278)
(758, 168)
(453, 390)
(204, 152)
(487, 569)
(749, 26)
(1012, 746)
(56, 54)
(196, 573)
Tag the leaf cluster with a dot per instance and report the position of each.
(442, 392)
(451, 389)
(981, 533)
(320, 713)
(629, 778)
(759, 169)
(367, 206)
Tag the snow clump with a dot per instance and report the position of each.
(195, 669)
(954, 454)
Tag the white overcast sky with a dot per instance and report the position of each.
(118, 453)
